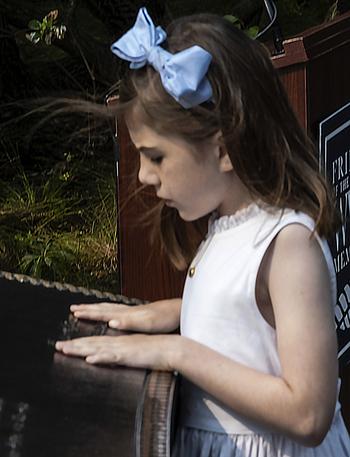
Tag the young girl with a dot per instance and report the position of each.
(257, 350)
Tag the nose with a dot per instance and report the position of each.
(147, 173)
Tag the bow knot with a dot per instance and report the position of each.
(157, 58)
(182, 74)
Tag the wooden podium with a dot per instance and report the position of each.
(314, 70)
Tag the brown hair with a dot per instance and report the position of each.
(269, 150)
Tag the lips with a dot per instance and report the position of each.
(166, 201)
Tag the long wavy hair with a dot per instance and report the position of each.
(270, 151)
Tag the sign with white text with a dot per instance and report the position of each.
(334, 144)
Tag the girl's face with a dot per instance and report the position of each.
(195, 182)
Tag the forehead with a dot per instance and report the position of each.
(144, 136)
(138, 129)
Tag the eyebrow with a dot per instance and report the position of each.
(146, 150)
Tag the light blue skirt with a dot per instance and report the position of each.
(192, 442)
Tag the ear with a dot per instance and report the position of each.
(225, 161)
(225, 164)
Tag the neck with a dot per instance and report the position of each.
(238, 198)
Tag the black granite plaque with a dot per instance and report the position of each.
(334, 147)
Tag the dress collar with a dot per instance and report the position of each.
(220, 224)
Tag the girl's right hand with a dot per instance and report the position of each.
(160, 316)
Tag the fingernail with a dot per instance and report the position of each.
(114, 324)
(73, 307)
(90, 359)
(58, 345)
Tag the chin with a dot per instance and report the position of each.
(190, 217)
(184, 216)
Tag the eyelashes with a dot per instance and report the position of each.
(151, 154)
(156, 160)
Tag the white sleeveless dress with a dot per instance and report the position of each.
(220, 311)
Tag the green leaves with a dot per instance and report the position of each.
(46, 30)
(34, 25)
(332, 12)
(235, 21)
(46, 256)
(61, 226)
(250, 31)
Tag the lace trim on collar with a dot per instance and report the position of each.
(219, 224)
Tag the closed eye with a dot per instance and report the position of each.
(151, 154)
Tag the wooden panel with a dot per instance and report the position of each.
(325, 38)
(308, 72)
(316, 41)
(328, 84)
(294, 54)
(294, 80)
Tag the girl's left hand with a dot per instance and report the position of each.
(137, 350)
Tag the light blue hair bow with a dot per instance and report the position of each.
(182, 74)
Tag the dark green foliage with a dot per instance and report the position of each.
(294, 15)
(46, 30)
(61, 224)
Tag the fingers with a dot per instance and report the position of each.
(93, 350)
(137, 351)
(97, 311)
(118, 316)
(115, 324)
(83, 347)
(102, 358)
